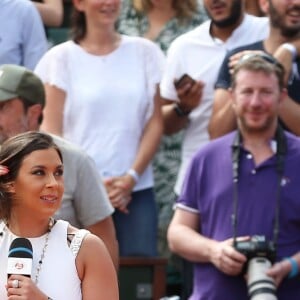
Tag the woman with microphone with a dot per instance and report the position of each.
(61, 262)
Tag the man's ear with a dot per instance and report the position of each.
(232, 97)
(283, 96)
(264, 6)
(34, 112)
(78, 4)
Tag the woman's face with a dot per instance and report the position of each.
(99, 11)
(39, 185)
(162, 3)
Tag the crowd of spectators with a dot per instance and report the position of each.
(141, 87)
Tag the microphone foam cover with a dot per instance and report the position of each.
(20, 247)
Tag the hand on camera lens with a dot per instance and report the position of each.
(279, 271)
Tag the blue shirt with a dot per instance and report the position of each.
(22, 36)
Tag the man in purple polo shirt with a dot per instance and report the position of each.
(201, 229)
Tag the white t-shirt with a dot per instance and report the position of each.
(109, 99)
(200, 55)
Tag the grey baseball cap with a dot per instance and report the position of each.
(17, 81)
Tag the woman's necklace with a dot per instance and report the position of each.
(40, 262)
(39, 267)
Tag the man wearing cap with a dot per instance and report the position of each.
(241, 188)
(22, 35)
(85, 202)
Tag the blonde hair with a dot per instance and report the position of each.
(185, 9)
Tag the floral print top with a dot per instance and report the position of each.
(132, 22)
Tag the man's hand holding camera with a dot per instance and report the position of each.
(227, 259)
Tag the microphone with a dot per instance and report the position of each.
(20, 257)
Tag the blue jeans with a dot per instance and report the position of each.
(137, 230)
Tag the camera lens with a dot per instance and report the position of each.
(260, 286)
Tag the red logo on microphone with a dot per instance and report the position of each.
(19, 266)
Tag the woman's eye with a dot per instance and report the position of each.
(38, 172)
(59, 172)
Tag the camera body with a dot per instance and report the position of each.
(260, 254)
(257, 246)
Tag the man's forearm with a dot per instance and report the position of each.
(189, 244)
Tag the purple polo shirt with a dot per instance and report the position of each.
(208, 190)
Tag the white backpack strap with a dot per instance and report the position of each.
(77, 240)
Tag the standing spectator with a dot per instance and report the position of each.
(199, 53)
(251, 177)
(85, 203)
(162, 22)
(51, 11)
(22, 37)
(159, 21)
(67, 263)
(101, 94)
(283, 42)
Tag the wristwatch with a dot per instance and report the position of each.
(179, 111)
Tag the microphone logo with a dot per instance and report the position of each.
(20, 257)
(19, 266)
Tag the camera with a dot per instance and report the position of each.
(260, 255)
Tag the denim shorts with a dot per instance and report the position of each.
(137, 230)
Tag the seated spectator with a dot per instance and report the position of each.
(22, 36)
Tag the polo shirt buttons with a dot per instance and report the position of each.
(249, 156)
(253, 172)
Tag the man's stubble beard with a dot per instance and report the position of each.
(233, 18)
(277, 22)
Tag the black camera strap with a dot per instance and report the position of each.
(280, 155)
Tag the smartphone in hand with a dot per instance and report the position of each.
(183, 80)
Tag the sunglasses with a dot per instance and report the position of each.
(266, 57)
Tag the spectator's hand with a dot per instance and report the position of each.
(285, 57)
(119, 191)
(190, 95)
(227, 259)
(235, 58)
(27, 290)
(279, 271)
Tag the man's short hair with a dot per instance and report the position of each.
(19, 82)
(259, 63)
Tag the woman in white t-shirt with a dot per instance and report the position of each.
(101, 90)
